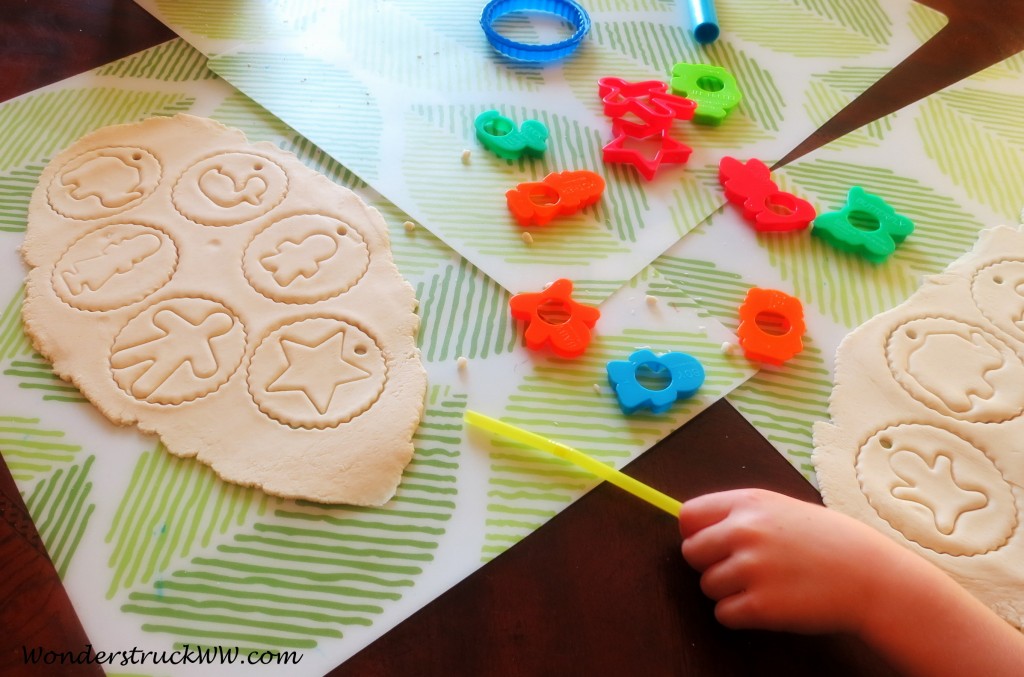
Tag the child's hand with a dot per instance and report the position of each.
(776, 562)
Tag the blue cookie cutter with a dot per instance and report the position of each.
(565, 9)
(685, 373)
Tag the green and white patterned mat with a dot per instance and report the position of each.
(157, 553)
(391, 89)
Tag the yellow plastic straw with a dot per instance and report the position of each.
(595, 467)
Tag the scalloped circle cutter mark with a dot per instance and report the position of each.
(103, 182)
(230, 188)
(317, 373)
(177, 350)
(305, 259)
(998, 291)
(957, 369)
(937, 489)
(115, 266)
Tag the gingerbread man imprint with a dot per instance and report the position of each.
(178, 350)
(305, 258)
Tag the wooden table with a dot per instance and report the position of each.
(602, 589)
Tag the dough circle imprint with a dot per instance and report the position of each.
(937, 489)
(115, 266)
(317, 373)
(103, 182)
(957, 369)
(230, 188)
(306, 258)
(177, 350)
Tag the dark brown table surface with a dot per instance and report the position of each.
(600, 590)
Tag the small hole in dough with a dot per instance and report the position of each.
(342, 230)
(911, 334)
(360, 350)
(258, 166)
(886, 443)
(997, 279)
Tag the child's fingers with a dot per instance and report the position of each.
(739, 611)
(708, 546)
(724, 578)
(703, 511)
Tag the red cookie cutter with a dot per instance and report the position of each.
(670, 152)
(771, 326)
(649, 101)
(770, 210)
(554, 319)
(535, 203)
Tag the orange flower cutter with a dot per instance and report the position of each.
(535, 203)
(771, 326)
(553, 318)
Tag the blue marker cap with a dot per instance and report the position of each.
(520, 51)
(704, 21)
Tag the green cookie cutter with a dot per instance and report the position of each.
(712, 87)
(500, 136)
(867, 226)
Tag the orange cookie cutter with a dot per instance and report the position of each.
(553, 318)
(771, 326)
(535, 203)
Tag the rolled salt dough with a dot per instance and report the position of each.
(926, 441)
(231, 300)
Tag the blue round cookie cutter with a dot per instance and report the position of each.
(565, 9)
(685, 374)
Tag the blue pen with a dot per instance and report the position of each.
(703, 20)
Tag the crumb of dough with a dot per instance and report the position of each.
(651, 300)
(409, 226)
(527, 238)
(462, 363)
(465, 156)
